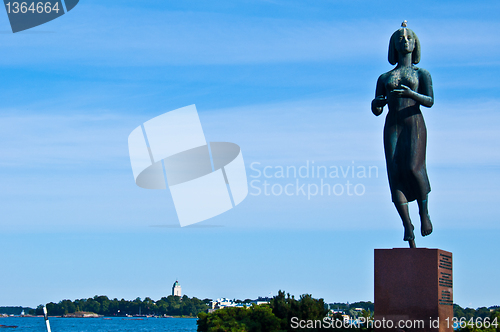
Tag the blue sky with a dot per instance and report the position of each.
(291, 83)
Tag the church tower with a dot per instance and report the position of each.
(176, 289)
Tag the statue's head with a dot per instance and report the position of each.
(404, 40)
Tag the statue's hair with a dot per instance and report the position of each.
(393, 53)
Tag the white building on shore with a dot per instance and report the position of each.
(226, 303)
(176, 289)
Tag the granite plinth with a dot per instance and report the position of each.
(413, 290)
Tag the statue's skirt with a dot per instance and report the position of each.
(405, 140)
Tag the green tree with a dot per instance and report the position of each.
(306, 308)
(256, 318)
(273, 317)
(493, 319)
(103, 304)
(458, 311)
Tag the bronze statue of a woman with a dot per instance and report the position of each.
(404, 89)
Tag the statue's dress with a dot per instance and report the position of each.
(405, 140)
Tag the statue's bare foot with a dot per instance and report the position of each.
(409, 235)
(426, 225)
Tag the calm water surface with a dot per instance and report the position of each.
(37, 324)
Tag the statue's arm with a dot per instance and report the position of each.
(425, 95)
(380, 97)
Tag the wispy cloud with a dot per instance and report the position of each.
(56, 141)
(138, 37)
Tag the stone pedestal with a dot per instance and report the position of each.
(413, 290)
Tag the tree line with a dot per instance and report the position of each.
(273, 317)
(191, 307)
(280, 313)
(469, 313)
(14, 310)
(102, 305)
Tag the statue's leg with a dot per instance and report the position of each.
(402, 207)
(419, 172)
(425, 220)
(405, 217)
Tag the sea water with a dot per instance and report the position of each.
(37, 324)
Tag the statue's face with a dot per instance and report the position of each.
(405, 43)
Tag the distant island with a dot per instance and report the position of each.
(16, 311)
(177, 306)
(101, 305)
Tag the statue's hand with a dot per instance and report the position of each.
(379, 101)
(377, 105)
(403, 92)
